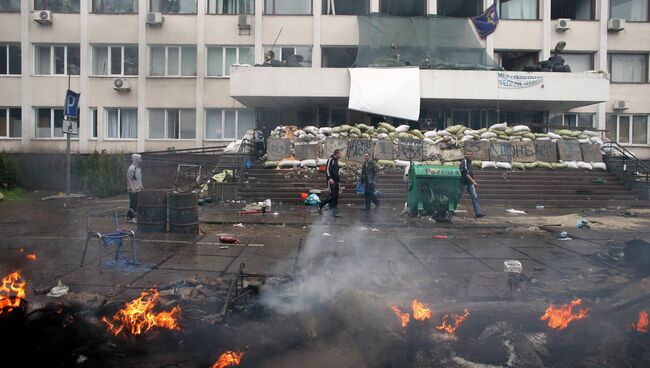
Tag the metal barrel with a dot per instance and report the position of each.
(183, 213)
(152, 211)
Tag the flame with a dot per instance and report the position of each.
(12, 291)
(138, 317)
(420, 312)
(405, 318)
(560, 317)
(228, 359)
(31, 256)
(451, 322)
(642, 325)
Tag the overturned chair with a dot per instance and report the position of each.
(108, 239)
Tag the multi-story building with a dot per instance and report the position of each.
(155, 74)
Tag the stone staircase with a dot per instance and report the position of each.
(524, 189)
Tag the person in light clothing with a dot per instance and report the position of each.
(134, 185)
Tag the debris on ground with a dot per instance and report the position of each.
(59, 290)
(228, 239)
(515, 212)
(582, 224)
(238, 225)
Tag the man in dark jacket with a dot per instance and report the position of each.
(333, 180)
(369, 173)
(468, 183)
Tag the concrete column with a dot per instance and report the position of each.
(432, 7)
(85, 119)
(316, 48)
(143, 70)
(28, 120)
(374, 6)
(259, 31)
(546, 29)
(200, 71)
(602, 14)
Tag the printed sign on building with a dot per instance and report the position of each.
(359, 147)
(501, 151)
(410, 149)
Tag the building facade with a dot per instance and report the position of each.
(155, 74)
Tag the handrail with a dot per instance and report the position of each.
(247, 147)
(635, 165)
(201, 150)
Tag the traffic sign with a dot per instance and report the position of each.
(70, 127)
(71, 106)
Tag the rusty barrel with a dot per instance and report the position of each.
(152, 211)
(183, 213)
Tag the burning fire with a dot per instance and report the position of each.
(12, 291)
(228, 359)
(138, 317)
(31, 256)
(405, 318)
(451, 322)
(420, 312)
(642, 325)
(560, 317)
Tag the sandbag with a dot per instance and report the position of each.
(387, 126)
(336, 129)
(466, 138)
(518, 166)
(596, 140)
(477, 163)
(363, 127)
(470, 132)
(584, 141)
(584, 165)
(402, 163)
(509, 131)
(381, 130)
(402, 128)
(444, 133)
(450, 163)
(599, 166)
(389, 163)
(382, 136)
(454, 129)
(417, 133)
(345, 128)
(289, 163)
(308, 163)
(325, 130)
(431, 134)
(521, 128)
(321, 161)
(433, 163)
(554, 136)
(529, 136)
(571, 164)
(504, 165)
(428, 140)
(311, 130)
(543, 139)
(530, 165)
(488, 165)
(488, 135)
(590, 133)
(544, 165)
(502, 126)
(271, 164)
(559, 165)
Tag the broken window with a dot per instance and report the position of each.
(518, 9)
(573, 9)
(345, 7)
(460, 8)
(579, 62)
(515, 61)
(287, 7)
(338, 57)
(631, 10)
(404, 8)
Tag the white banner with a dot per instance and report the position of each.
(506, 80)
(386, 91)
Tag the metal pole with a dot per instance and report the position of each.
(67, 166)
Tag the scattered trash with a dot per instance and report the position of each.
(255, 245)
(539, 207)
(441, 237)
(304, 196)
(59, 290)
(81, 359)
(228, 239)
(224, 247)
(341, 241)
(512, 266)
(312, 200)
(276, 214)
(373, 229)
(515, 212)
(327, 234)
(582, 224)
(562, 235)
(238, 225)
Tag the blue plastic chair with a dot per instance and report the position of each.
(110, 239)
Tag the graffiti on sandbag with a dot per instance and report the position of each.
(501, 152)
(358, 147)
(410, 149)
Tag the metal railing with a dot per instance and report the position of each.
(625, 164)
(246, 150)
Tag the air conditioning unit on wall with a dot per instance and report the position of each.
(563, 25)
(43, 16)
(616, 25)
(620, 105)
(121, 85)
(155, 19)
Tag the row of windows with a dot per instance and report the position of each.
(181, 60)
(631, 10)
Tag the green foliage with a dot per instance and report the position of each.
(16, 194)
(104, 175)
(8, 173)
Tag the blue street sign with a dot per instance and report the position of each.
(71, 106)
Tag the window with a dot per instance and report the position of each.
(345, 7)
(59, 6)
(516, 60)
(573, 9)
(518, 9)
(93, 127)
(174, 6)
(220, 58)
(10, 58)
(287, 7)
(121, 123)
(115, 6)
(49, 123)
(227, 124)
(630, 10)
(10, 122)
(628, 68)
(627, 129)
(172, 124)
(115, 60)
(299, 56)
(460, 8)
(56, 59)
(10, 6)
(173, 61)
(231, 6)
(571, 120)
(338, 57)
(579, 62)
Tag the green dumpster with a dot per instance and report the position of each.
(433, 191)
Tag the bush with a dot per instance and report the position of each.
(104, 175)
(8, 173)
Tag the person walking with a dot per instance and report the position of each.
(469, 184)
(333, 180)
(369, 173)
(134, 185)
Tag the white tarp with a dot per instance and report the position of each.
(386, 91)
